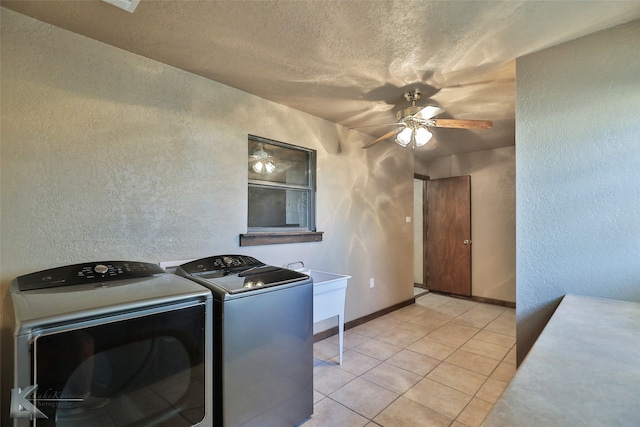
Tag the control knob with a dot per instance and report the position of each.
(101, 269)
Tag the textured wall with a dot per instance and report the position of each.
(493, 263)
(578, 175)
(109, 155)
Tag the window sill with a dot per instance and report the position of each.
(268, 238)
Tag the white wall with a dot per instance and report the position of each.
(109, 155)
(493, 249)
(578, 175)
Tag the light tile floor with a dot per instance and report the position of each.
(439, 362)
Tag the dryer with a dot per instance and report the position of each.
(111, 343)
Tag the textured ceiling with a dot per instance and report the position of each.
(351, 61)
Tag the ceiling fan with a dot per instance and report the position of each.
(413, 122)
(262, 162)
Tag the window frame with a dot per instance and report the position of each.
(275, 235)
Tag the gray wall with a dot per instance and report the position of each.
(109, 155)
(577, 175)
(493, 252)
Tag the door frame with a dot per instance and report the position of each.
(466, 238)
(425, 211)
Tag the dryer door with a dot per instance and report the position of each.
(142, 368)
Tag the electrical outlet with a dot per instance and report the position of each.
(408, 219)
(371, 283)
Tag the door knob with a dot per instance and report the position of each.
(467, 242)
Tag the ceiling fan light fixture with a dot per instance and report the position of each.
(269, 166)
(263, 163)
(258, 166)
(404, 137)
(422, 136)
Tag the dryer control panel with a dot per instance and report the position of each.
(79, 274)
(233, 263)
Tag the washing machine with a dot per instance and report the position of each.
(110, 343)
(262, 340)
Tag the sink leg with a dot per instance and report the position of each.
(340, 334)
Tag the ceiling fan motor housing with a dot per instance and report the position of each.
(413, 96)
(410, 111)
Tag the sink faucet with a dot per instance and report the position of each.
(294, 263)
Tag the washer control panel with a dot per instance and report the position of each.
(79, 274)
(221, 263)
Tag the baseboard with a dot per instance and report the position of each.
(502, 303)
(353, 323)
(364, 319)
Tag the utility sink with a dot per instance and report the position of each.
(329, 292)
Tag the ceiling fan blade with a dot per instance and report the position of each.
(381, 124)
(462, 124)
(385, 136)
(428, 112)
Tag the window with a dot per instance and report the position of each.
(281, 199)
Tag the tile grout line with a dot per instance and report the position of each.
(483, 383)
(407, 319)
(444, 361)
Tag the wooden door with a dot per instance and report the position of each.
(448, 235)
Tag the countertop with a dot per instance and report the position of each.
(583, 370)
